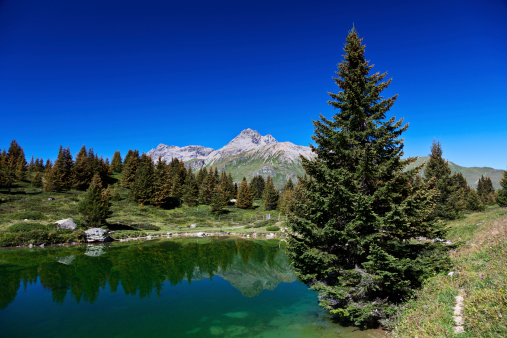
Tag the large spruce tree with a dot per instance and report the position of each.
(357, 212)
(270, 195)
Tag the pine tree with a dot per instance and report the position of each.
(82, 173)
(141, 189)
(37, 180)
(129, 168)
(501, 197)
(257, 185)
(230, 187)
(207, 189)
(95, 206)
(270, 195)
(116, 163)
(162, 184)
(286, 197)
(474, 202)
(59, 176)
(219, 199)
(450, 200)
(190, 190)
(355, 214)
(485, 190)
(245, 196)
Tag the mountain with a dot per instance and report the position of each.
(250, 154)
(471, 174)
(247, 155)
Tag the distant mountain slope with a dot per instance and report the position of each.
(471, 174)
(247, 155)
(250, 154)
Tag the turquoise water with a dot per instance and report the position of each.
(184, 288)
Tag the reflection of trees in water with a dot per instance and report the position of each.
(139, 268)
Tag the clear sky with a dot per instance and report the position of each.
(119, 75)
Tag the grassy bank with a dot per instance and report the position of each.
(479, 272)
(26, 204)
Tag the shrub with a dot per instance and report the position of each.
(145, 226)
(273, 228)
(26, 226)
(122, 234)
(41, 236)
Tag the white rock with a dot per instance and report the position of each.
(97, 235)
(67, 223)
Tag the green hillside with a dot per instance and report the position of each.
(471, 174)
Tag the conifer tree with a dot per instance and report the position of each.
(37, 180)
(141, 189)
(39, 165)
(450, 199)
(190, 190)
(219, 199)
(201, 175)
(286, 197)
(3, 168)
(244, 199)
(207, 189)
(95, 206)
(485, 190)
(59, 176)
(82, 173)
(129, 168)
(474, 202)
(31, 166)
(162, 184)
(501, 197)
(230, 187)
(270, 195)
(353, 220)
(116, 163)
(257, 185)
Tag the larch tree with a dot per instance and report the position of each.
(129, 168)
(244, 199)
(142, 188)
(356, 213)
(485, 190)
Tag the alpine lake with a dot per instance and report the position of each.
(160, 288)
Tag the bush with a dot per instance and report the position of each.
(41, 236)
(123, 234)
(25, 227)
(33, 215)
(264, 223)
(273, 228)
(145, 226)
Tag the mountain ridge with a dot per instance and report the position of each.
(250, 154)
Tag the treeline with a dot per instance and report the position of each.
(454, 195)
(159, 183)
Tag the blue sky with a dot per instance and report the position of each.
(119, 75)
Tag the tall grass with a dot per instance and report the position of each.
(480, 271)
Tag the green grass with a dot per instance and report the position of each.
(480, 270)
(24, 202)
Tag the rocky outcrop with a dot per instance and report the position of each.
(184, 154)
(66, 224)
(97, 235)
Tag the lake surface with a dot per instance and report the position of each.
(166, 288)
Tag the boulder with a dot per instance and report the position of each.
(97, 235)
(192, 226)
(200, 234)
(95, 250)
(66, 224)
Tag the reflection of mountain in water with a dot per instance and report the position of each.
(141, 268)
(252, 279)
